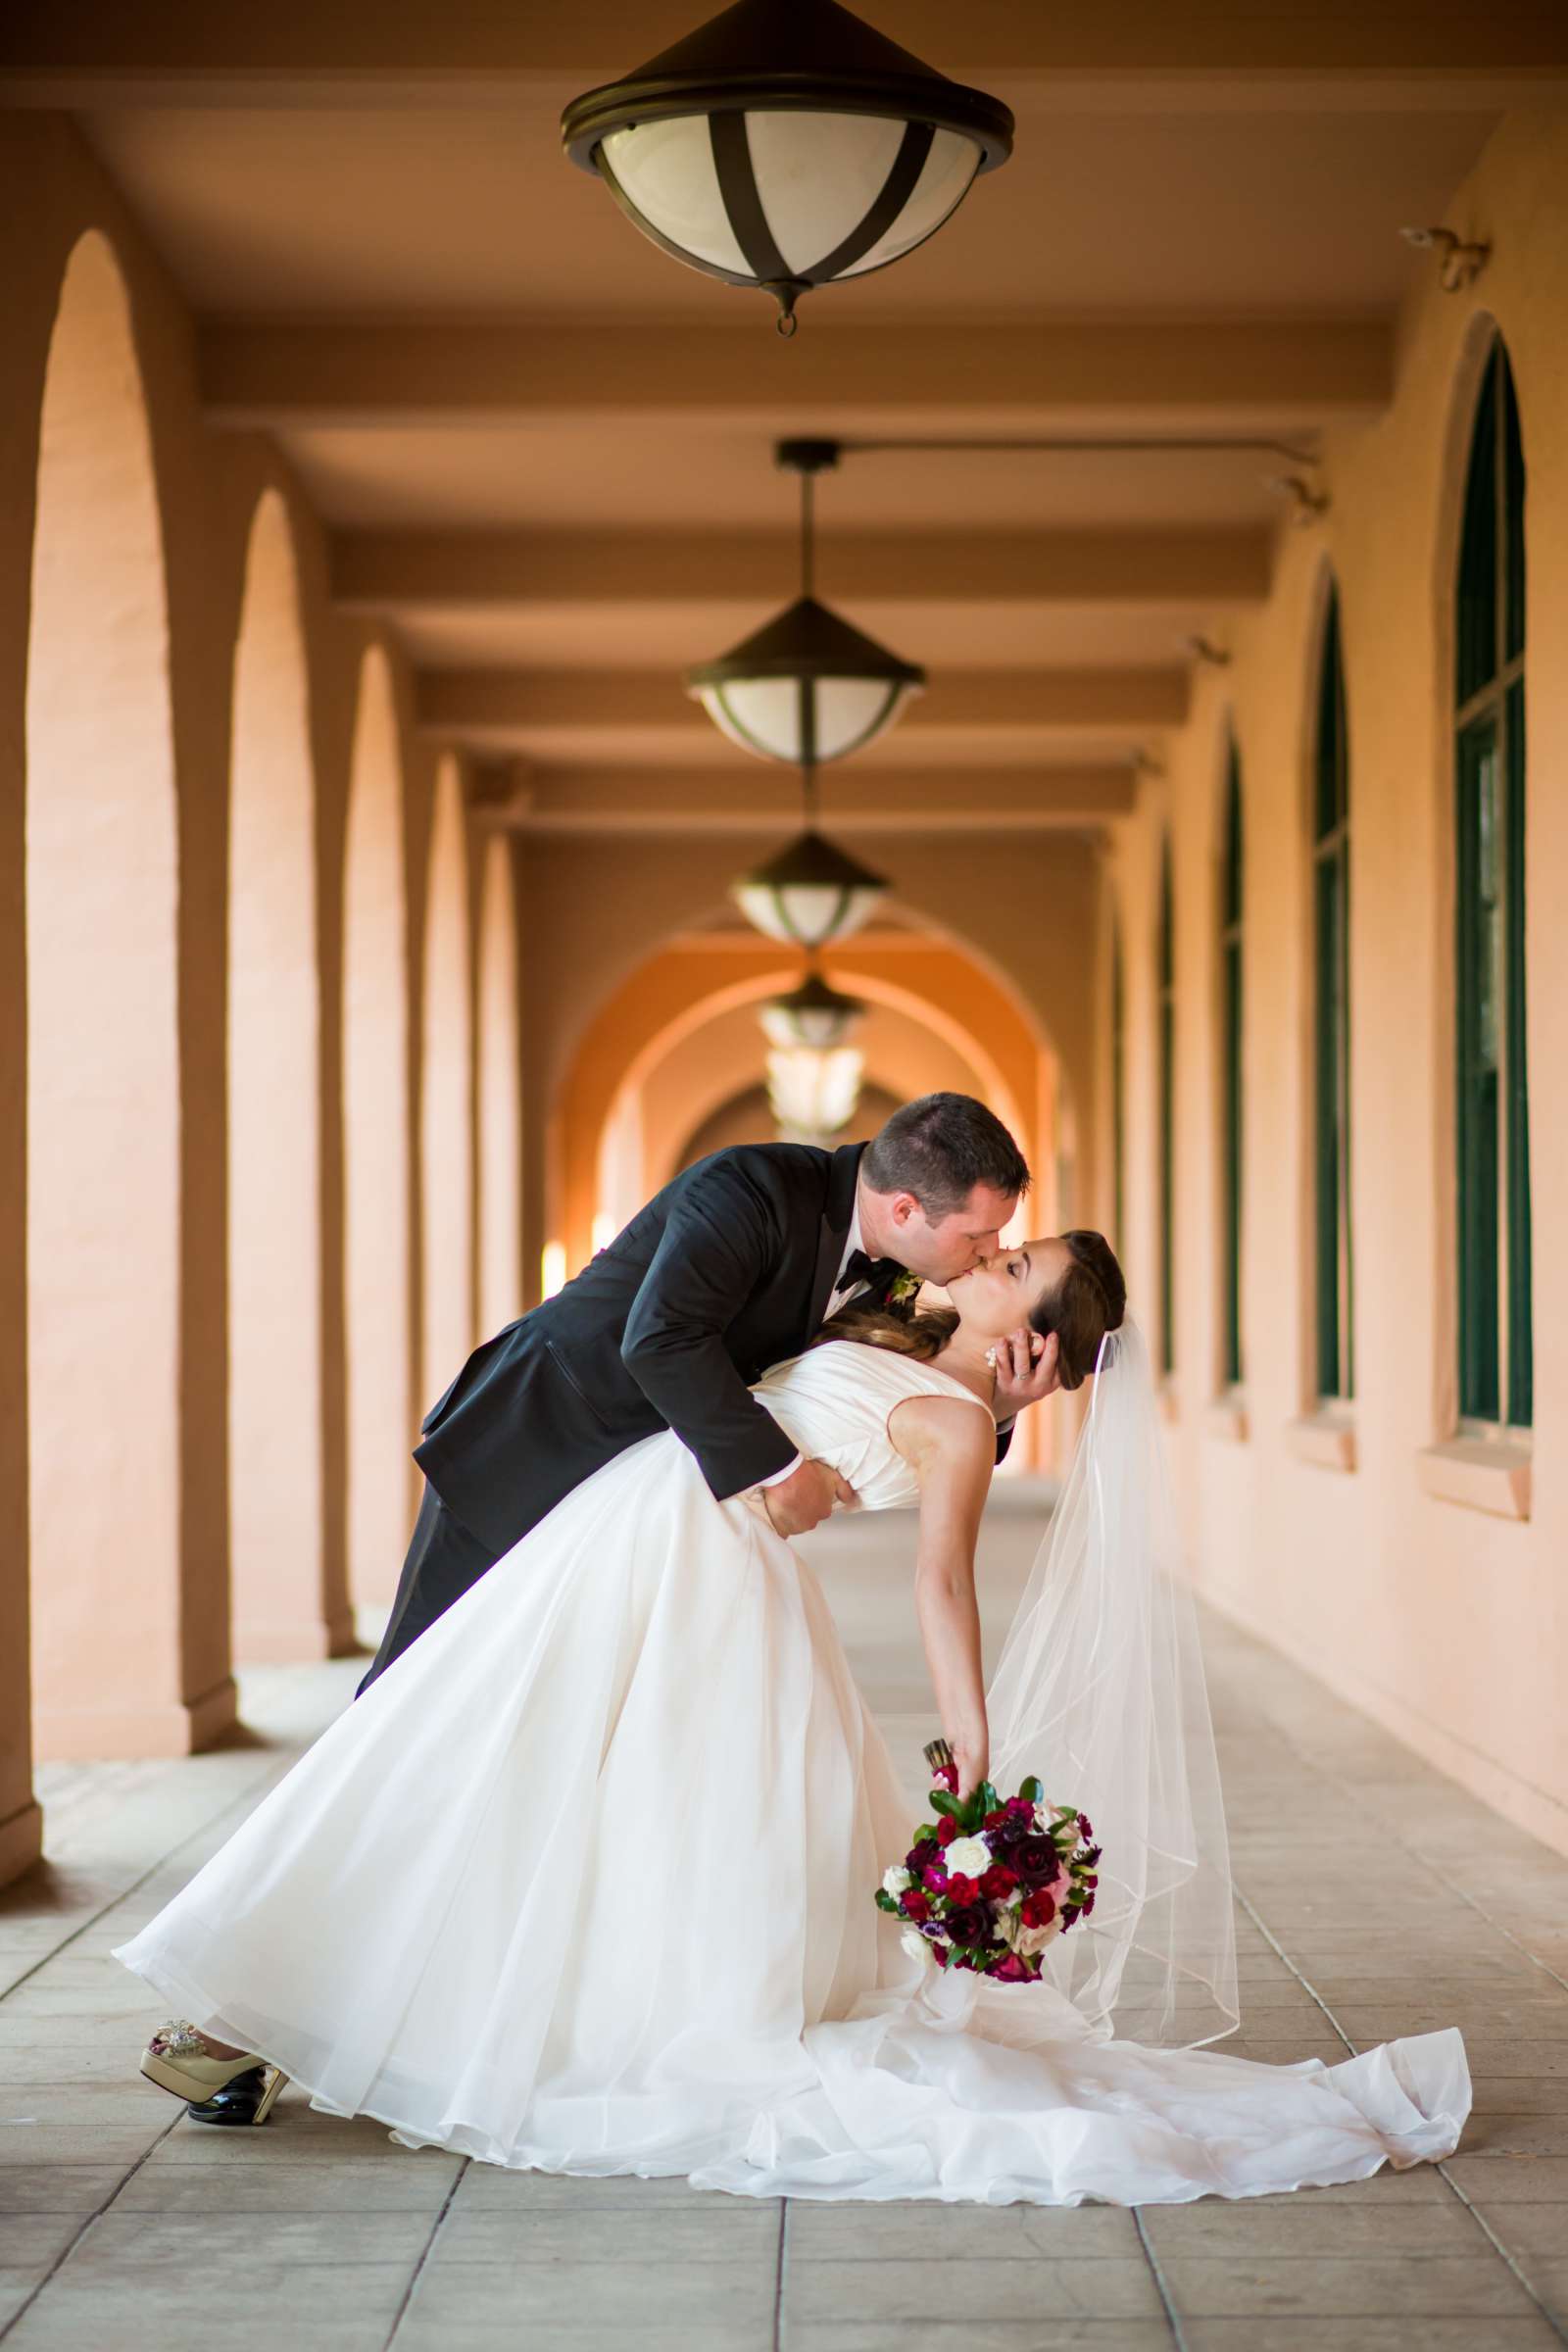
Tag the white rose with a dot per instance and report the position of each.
(896, 1878)
(916, 1946)
(971, 1855)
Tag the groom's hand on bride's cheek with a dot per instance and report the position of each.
(1026, 1370)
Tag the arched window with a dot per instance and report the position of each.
(1165, 988)
(1496, 1351)
(1331, 1022)
(1230, 955)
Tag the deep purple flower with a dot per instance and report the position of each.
(919, 1856)
(1085, 1831)
(1035, 1859)
(970, 1925)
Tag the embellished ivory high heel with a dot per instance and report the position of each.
(179, 2062)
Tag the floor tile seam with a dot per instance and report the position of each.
(249, 1799)
(1359, 1801)
(89, 2221)
(781, 2274)
(1307, 1986)
(1554, 2317)
(426, 2252)
(1167, 2300)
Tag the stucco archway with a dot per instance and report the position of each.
(289, 1600)
(376, 1149)
(499, 1107)
(102, 883)
(446, 1096)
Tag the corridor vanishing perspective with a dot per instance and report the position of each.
(428, 617)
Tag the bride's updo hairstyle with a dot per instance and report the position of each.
(1088, 1300)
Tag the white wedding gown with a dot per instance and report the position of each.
(584, 1883)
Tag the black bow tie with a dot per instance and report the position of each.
(861, 1268)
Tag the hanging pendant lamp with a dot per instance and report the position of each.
(809, 895)
(808, 686)
(815, 1015)
(785, 144)
(814, 1095)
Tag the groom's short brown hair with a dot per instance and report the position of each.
(939, 1148)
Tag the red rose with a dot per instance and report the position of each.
(969, 1926)
(914, 1906)
(963, 1890)
(994, 1821)
(1037, 1858)
(996, 1881)
(946, 1830)
(1014, 1971)
(1039, 1909)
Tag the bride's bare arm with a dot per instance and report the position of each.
(952, 1449)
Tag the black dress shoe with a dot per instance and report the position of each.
(236, 2103)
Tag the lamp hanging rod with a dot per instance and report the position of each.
(1068, 443)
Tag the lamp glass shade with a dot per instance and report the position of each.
(667, 174)
(775, 716)
(809, 915)
(814, 1095)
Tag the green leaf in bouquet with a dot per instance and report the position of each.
(989, 1799)
(884, 1901)
(943, 1801)
(1033, 1789)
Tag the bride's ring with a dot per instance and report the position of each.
(991, 1358)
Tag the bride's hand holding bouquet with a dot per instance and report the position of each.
(990, 1881)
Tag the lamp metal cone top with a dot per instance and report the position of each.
(786, 143)
(809, 894)
(807, 686)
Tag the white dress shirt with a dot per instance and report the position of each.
(840, 1293)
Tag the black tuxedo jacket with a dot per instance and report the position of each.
(726, 1271)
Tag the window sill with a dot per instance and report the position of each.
(1226, 1419)
(1326, 1440)
(1483, 1474)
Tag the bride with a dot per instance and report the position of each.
(584, 1881)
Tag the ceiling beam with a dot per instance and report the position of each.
(379, 571)
(470, 52)
(760, 800)
(1047, 375)
(968, 703)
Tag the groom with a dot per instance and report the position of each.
(731, 1268)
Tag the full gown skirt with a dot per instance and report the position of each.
(583, 1883)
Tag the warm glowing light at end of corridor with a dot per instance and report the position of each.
(553, 1268)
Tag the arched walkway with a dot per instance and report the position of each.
(289, 1600)
(376, 1149)
(102, 885)
(446, 1102)
(500, 1105)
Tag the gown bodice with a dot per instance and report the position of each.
(834, 1402)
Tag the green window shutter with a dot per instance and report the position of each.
(1496, 1367)
(1331, 1021)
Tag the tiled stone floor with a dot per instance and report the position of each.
(125, 2229)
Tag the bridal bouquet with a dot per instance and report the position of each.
(991, 1880)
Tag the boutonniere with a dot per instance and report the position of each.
(905, 1288)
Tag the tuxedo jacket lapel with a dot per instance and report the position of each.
(836, 1217)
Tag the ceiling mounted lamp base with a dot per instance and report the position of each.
(786, 144)
(809, 895)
